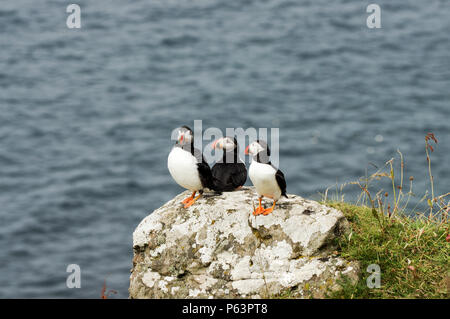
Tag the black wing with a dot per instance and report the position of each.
(205, 175)
(216, 172)
(281, 182)
(204, 171)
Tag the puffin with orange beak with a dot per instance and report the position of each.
(268, 180)
(188, 167)
(230, 172)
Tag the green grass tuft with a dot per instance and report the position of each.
(413, 254)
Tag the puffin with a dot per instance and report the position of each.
(188, 167)
(268, 180)
(229, 173)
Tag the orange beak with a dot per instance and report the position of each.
(214, 145)
(246, 150)
(181, 138)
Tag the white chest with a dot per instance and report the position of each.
(263, 178)
(182, 166)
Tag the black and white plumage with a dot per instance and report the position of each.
(230, 172)
(268, 180)
(188, 167)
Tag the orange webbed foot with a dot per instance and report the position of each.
(187, 200)
(192, 201)
(258, 211)
(189, 204)
(267, 211)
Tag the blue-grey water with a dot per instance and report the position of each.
(86, 114)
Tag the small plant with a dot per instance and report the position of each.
(411, 249)
(388, 205)
(106, 294)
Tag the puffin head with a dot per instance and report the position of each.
(225, 143)
(258, 147)
(185, 135)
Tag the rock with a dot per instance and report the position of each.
(218, 249)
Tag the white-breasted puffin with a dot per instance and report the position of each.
(230, 172)
(188, 167)
(268, 180)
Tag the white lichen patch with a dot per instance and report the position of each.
(241, 269)
(194, 292)
(248, 286)
(162, 284)
(179, 231)
(346, 271)
(204, 281)
(314, 267)
(158, 250)
(150, 278)
(148, 225)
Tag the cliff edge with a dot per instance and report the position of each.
(218, 249)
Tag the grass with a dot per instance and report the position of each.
(411, 247)
(413, 254)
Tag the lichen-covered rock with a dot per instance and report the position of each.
(217, 249)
